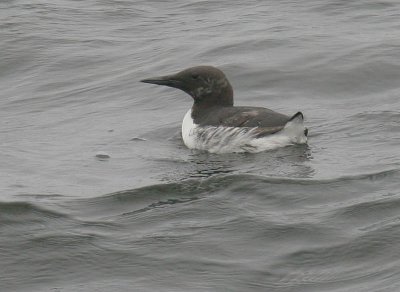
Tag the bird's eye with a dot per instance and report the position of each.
(195, 76)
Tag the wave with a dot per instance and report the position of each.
(188, 190)
(297, 233)
(12, 212)
(135, 201)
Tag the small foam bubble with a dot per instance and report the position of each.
(138, 139)
(101, 155)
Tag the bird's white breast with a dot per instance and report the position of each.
(189, 130)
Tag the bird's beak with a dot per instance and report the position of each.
(168, 80)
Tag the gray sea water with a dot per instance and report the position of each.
(156, 216)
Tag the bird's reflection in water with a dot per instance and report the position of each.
(211, 164)
(289, 161)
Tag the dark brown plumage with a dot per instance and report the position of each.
(213, 101)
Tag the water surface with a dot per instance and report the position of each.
(156, 216)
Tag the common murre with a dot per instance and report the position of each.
(215, 125)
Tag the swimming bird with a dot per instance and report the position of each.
(216, 125)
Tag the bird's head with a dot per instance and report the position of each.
(205, 84)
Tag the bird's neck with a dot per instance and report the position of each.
(207, 107)
(222, 97)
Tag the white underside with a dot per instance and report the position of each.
(236, 139)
